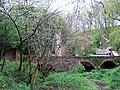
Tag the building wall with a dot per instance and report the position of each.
(17, 55)
(10, 54)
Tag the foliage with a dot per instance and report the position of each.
(81, 51)
(42, 26)
(112, 8)
(114, 38)
(36, 27)
(96, 39)
(8, 35)
(11, 79)
(70, 47)
(115, 81)
(78, 69)
(69, 81)
(45, 38)
(110, 77)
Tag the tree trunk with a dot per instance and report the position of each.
(21, 54)
(3, 64)
(3, 60)
(27, 44)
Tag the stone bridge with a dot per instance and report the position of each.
(68, 63)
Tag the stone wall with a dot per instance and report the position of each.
(12, 54)
(68, 63)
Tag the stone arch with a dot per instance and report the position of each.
(108, 64)
(88, 65)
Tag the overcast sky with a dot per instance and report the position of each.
(67, 5)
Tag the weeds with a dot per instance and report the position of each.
(77, 79)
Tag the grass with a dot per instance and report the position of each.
(11, 79)
(68, 81)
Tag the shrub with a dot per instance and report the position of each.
(78, 69)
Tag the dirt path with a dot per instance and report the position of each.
(101, 84)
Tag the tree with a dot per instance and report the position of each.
(36, 28)
(112, 13)
(8, 37)
(18, 17)
(114, 38)
(112, 8)
(8, 34)
(44, 41)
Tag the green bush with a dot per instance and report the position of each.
(78, 69)
(69, 81)
(77, 79)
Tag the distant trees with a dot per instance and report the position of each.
(114, 38)
(98, 20)
(112, 8)
(112, 14)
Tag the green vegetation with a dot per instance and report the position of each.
(37, 31)
(105, 79)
